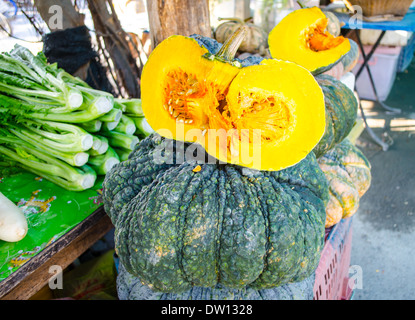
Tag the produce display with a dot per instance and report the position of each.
(191, 217)
(58, 127)
(302, 37)
(348, 172)
(221, 179)
(50, 212)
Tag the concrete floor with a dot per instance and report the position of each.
(383, 234)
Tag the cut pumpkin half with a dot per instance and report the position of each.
(302, 37)
(265, 117)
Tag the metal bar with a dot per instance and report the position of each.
(367, 58)
(365, 64)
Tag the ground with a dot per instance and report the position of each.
(383, 234)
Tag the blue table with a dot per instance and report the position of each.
(357, 23)
(406, 24)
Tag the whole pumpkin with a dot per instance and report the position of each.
(341, 113)
(256, 41)
(180, 224)
(349, 174)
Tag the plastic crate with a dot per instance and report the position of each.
(332, 274)
(383, 66)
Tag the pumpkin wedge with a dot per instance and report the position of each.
(265, 117)
(302, 37)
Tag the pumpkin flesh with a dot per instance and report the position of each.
(257, 116)
(183, 93)
(302, 37)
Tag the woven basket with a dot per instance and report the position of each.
(373, 8)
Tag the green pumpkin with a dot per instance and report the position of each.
(256, 40)
(180, 225)
(349, 174)
(341, 113)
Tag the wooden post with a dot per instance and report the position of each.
(70, 17)
(115, 40)
(171, 17)
(242, 9)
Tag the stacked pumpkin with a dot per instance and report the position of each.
(316, 44)
(227, 200)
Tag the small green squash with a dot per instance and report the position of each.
(256, 40)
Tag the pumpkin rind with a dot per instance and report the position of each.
(349, 175)
(350, 60)
(300, 37)
(341, 113)
(176, 228)
(333, 26)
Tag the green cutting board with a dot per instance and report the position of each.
(51, 211)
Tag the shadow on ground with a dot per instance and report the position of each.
(385, 223)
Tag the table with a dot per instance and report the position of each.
(354, 23)
(62, 225)
(34, 274)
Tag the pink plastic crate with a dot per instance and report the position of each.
(332, 274)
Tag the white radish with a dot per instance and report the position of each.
(13, 223)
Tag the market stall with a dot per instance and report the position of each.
(225, 161)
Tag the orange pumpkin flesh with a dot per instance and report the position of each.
(258, 116)
(318, 39)
(302, 37)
